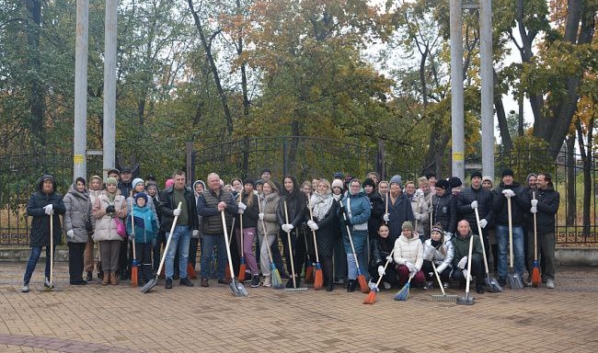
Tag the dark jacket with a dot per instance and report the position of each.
(520, 204)
(445, 212)
(251, 214)
(548, 205)
(377, 211)
(380, 249)
(207, 208)
(327, 230)
(167, 206)
(296, 207)
(400, 211)
(40, 225)
(484, 199)
(461, 248)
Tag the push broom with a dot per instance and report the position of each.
(371, 297)
(152, 282)
(360, 277)
(237, 288)
(490, 282)
(319, 276)
(274, 273)
(293, 276)
(536, 279)
(134, 263)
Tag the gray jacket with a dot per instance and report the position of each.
(77, 215)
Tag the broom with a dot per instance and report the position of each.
(274, 273)
(134, 263)
(309, 268)
(293, 276)
(319, 276)
(371, 297)
(360, 277)
(403, 293)
(536, 280)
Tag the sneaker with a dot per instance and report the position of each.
(479, 289)
(168, 284)
(502, 281)
(205, 283)
(47, 283)
(445, 285)
(255, 281)
(25, 288)
(387, 285)
(550, 283)
(186, 282)
(267, 281)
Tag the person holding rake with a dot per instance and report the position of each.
(439, 251)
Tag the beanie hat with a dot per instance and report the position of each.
(407, 225)
(476, 174)
(396, 179)
(137, 181)
(443, 184)
(111, 181)
(454, 182)
(507, 172)
(113, 171)
(141, 195)
(95, 177)
(259, 182)
(437, 228)
(249, 181)
(487, 178)
(337, 183)
(339, 175)
(369, 182)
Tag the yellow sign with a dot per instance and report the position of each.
(78, 158)
(458, 156)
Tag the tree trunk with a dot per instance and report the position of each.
(571, 197)
(502, 123)
(37, 104)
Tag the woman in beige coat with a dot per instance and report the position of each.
(108, 206)
(269, 204)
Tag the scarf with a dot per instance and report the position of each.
(321, 204)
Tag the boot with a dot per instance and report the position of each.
(267, 281)
(106, 277)
(113, 278)
(352, 285)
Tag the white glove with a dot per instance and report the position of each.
(483, 223)
(176, 212)
(466, 275)
(462, 263)
(419, 193)
(418, 216)
(49, 209)
(261, 216)
(508, 193)
(195, 234)
(242, 206)
(312, 225)
(386, 217)
(240, 210)
(389, 259)
(381, 271)
(474, 205)
(70, 234)
(287, 227)
(534, 210)
(410, 266)
(534, 203)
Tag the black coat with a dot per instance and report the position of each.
(378, 209)
(327, 230)
(520, 204)
(484, 199)
(380, 249)
(296, 206)
(548, 205)
(445, 212)
(40, 225)
(167, 206)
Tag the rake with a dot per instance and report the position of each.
(444, 297)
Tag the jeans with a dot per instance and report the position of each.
(208, 242)
(502, 238)
(180, 241)
(36, 252)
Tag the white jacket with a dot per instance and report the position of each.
(409, 250)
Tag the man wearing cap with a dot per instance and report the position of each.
(444, 208)
(399, 208)
(472, 198)
(520, 203)
(187, 223)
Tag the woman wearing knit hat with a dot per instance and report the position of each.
(408, 256)
(440, 251)
(108, 206)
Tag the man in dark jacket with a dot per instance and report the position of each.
(44, 206)
(187, 224)
(472, 198)
(444, 208)
(507, 190)
(545, 208)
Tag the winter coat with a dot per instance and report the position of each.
(77, 215)
(378, 209)
(150, 204)
(327, 227)
(548, 205)
(419, 206)
(40, 225)
(444, 212)
(251, 213)
(168, 205)
(269, 207)
(93, 195)
(485, 210)
(520, 204)
(360, 211)
(380, 248)
(146, 224)
(105, 224)
(296, 207)
(409, 250)
(400, 211)
(441, 255)
(461, 248)
(207, 208)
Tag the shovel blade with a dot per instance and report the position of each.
(465, 300)
(515, 281)
(493, 285)
(149, 285)
(237, 288)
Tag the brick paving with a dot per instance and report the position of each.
(122, 319)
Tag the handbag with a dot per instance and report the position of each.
(120, 227)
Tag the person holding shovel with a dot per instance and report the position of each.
(45, 206)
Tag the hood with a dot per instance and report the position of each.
(73, 190)
(40, 182)
(198, 182)
(405, 239)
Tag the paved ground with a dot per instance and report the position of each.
(121, 319)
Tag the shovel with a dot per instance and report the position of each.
(467, 299)
(490, 282)
(515, 281)
(237, 288)
(152, 282)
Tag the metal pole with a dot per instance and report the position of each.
(457, 121)
(487, 77)
(80, 123)
(110, 85)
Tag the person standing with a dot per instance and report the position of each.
(509, 189)
(106, 208)
(472, 198)
(125, 186)
(249, 211)
(268, 236)
(399, 208)
(209, 205)
(142, 226)
(187, 224)
(77, 224)
(444, 209)
(42, 205)
(95, 189)
(545, 206)
(419, 206)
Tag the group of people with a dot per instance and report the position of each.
(392, 232)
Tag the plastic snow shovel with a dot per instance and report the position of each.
(467, 299)
(515, 281)
(152, 282)
(237, 288)
(490, 282)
